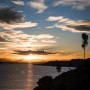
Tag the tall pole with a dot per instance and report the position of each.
(84, 53)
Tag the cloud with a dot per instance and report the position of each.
(75, 26)
(19, 2)
(9, 15)
(19, 36)
(42, 36)
(54, 18)
(78, 4)
(38, 5)
(4, 60)
(48, 41)
(8, 26)
(80, 27)
(13, 39)
(33, 52)
(18, 40)
(10, 18)
(70, 25)
(52, 26)
(58, 18)
(2, 39)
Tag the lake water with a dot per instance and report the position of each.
(23, 76)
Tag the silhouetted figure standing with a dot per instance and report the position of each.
(85, 42)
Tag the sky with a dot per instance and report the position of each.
(43, 30)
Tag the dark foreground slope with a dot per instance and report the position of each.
(78, 79)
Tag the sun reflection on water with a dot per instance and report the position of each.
(29, 83)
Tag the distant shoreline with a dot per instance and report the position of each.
(71, 63)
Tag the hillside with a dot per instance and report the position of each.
(78, 79)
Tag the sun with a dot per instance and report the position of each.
(29, 57)
(32, 58)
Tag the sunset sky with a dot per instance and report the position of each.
(43, 30)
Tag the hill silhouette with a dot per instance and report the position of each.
(78, 79)
(70, 63)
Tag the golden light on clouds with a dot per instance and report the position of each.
(34, 58)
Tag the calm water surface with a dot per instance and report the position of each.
(23, 76)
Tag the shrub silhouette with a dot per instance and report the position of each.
(45, 83)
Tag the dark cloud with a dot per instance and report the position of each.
(6, 60)
(9, 15)
(3, 39)
(83, 28)
(33, 52)
(80, 27)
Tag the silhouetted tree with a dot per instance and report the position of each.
(85, 42)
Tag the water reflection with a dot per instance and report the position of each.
(23, 76)
(29, 82)
(13, 76)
